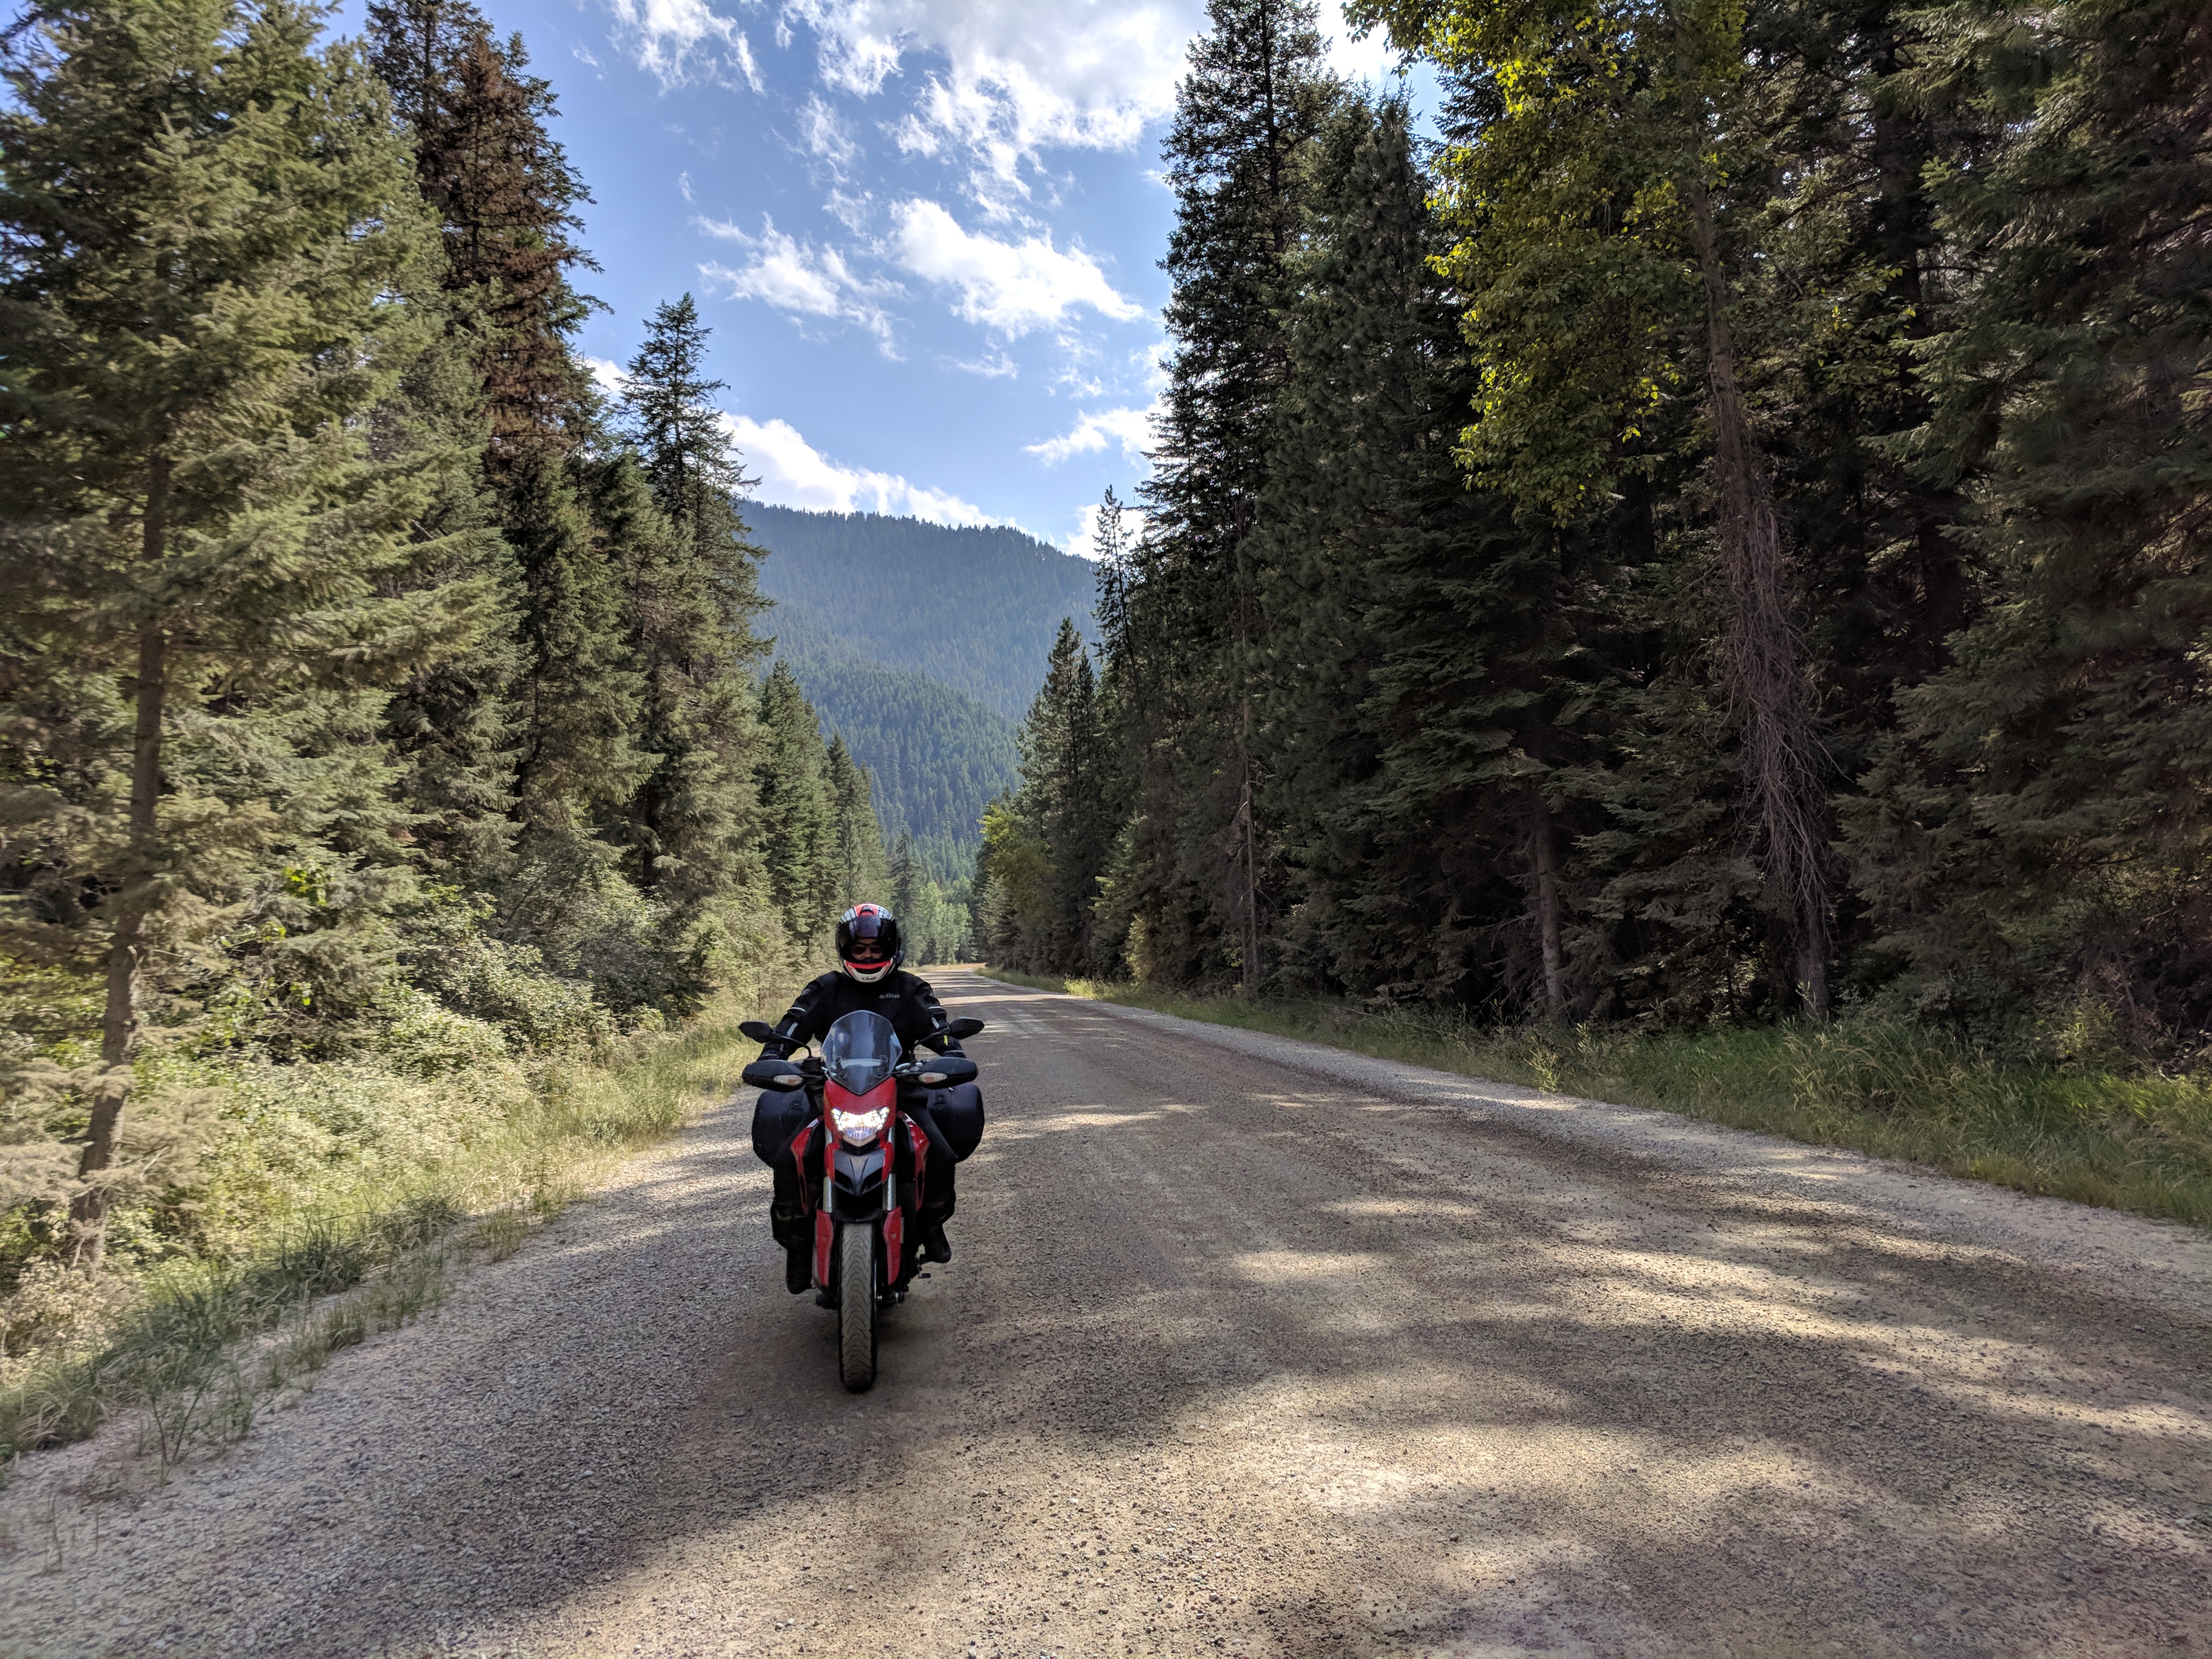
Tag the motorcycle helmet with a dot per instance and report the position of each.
(868, 943)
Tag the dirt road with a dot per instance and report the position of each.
(1249, 1349)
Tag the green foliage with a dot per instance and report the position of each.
(1183, 632)
(901, 593)
(692, 598)
(1036, 881)
(379, 734)
(935, 757)
(1727, 521)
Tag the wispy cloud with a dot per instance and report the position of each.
(1132, 429)
(794, 473)
(799, 277)
(1017, 79)
(682, 40)
(826, 137)
(1009, 286)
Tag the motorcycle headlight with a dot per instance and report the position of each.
(858, 1128)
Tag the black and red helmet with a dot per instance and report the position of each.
(868, 942)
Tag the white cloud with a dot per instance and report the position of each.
(1083, 540)
(1010, 79)
(794, 473)
(607, 375)
(1017, 78)
(679, 40)
(1132, 429)
(1011, 287)
(799, 277)
(826, 138)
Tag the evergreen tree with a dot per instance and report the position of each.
(1602, 188)
(2044, 832)
(506, 197)
(693, 598)
(206, 222)
(1418, 734)
(800, 825)
(860, 874)
(1246, 115)
(454, 724)
(906, 876)
(1062, 803)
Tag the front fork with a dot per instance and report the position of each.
(883, 1198)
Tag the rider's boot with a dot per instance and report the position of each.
(935, 1246)
(791, 1231)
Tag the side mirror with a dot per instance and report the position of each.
(961, 1029)
(759, 1031)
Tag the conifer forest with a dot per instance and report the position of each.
(1704, 531)
(387, 711)
(1716, 538)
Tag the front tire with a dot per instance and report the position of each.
(856, 1305)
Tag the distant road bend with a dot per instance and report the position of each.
(1249, 1348)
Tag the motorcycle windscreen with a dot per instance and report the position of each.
(860, 1051)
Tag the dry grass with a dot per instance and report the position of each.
(2135, 1140)
(201, 1346)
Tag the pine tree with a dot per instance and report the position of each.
(906, 878)
(799, 827)
(1418, 735)
(1600, 188)
(1060, 799)
(693, 595)
(1246, 115)
(453, 726)
(860, 874)
(2045, 833)
(206, 220)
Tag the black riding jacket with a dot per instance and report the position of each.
(900, 997)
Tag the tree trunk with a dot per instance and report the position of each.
(1544, 854)
(1765, 682)
(118, 1026)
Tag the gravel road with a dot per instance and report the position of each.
(1249, 1348)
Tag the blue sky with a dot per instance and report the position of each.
(924, 232)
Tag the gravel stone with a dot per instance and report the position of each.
(1250, 1347)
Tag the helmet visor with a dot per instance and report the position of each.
(865, 940)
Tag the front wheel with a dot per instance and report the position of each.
(856, 1305)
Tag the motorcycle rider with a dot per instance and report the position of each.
(869, 977)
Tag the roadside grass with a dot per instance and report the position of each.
(2138, 1142)
(202, 1346)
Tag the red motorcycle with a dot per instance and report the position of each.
(864, 1159)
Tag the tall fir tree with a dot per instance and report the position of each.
(2045, 834)
(693, 596)
(858, 872)
(799, 827)
(1245, 119)
(208, 222)
(1603, 190)
(1418, 732)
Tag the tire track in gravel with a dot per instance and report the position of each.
(1250, 1348)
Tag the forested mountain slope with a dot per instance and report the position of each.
(935, 756)
(973, 608)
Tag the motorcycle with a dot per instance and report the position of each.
(863, 1160)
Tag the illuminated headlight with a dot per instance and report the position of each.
(859, 1128)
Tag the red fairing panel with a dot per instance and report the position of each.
(825, 1230)
(809, 1197)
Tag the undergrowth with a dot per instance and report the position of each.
(2136, 1140)
(194, 1347)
